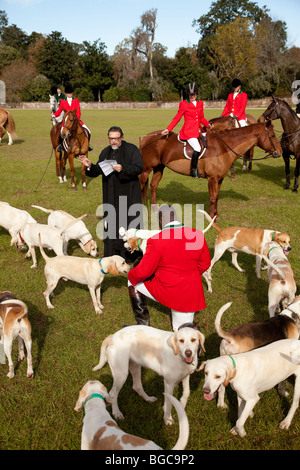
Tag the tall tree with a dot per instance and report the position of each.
(95, 66)
(233, 50)
(57, 58)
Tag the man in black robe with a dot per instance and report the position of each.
(121, 191)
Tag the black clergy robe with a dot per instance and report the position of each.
(120, 191)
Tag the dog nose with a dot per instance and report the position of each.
(188, 353)
(206, 390)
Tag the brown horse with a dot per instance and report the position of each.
(290, 140)
(7, 124)
(75, 142)
(223, 149)
(223, 123)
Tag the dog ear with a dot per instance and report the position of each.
(172, 342)
(81, 398)
(230, 374)
(112, 268)
(201, 367)
(202, 340)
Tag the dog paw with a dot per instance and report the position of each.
(33, 266)
(169, 421)
(151, 399)
(238, 432)
(284, 424)
(118, 415)
(30, 375)
(11, 374)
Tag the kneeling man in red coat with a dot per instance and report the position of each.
(170, 271)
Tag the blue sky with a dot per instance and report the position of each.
(89, 20)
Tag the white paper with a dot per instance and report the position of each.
(107, 166)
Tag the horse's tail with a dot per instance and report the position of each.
(210, 220)
(10, 126)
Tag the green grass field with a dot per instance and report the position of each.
(39, 413)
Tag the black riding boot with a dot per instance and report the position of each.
(60, 141)
(194, 161)
(139, 306)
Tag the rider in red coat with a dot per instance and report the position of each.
(192, 111)
(70, 104)
(171, 268)
(236, 103)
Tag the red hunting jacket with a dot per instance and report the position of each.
(236, 106)
(64, 106)
(175, 259)
(193, 118)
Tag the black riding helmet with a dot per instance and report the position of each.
(69, 88)
(192, 89)
(236, 82)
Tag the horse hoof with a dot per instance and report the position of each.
(74, 188)
(84, 188)
(295, 190)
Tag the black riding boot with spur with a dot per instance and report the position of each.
(139, 306)
(194, 161)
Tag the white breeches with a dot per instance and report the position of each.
(194, 143)
(243, 123)
(178, 318)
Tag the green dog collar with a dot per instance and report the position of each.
(94, 395)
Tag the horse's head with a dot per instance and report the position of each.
(69, 124)
(268, 141)
(273, 111)
(53, 103)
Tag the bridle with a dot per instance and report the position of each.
(71, 132)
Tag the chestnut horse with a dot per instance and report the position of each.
(290, 140)
(223, 123)
(75, 142)
(223, 149)
(7, 124)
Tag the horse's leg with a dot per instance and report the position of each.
(214, 186)
(72, 169)
(296, 183)
(64, 164)
(250, 154)
(58, 166)
(232, 173)
(286, 159)
(84, 186)
(144, 180)
(157, 176)
(10, 141)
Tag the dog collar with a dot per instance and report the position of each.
(139, 242)
(101, 267)
(22, 240)
(273, 247)
(233, 361)
(94, 395)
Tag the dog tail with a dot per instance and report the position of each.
(72, 223)
(222, 333)
(103, 352)
(22, 312)
(49, 211)
(184, 428)
(278, 270)
(42, 249)
(210, 220)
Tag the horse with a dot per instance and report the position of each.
(290, 139)
(75, 142)
(228, 122)
(54, 107)
(7, 124)
(223, 149)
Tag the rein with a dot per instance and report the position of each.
(72, 134)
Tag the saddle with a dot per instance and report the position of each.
(188, 150)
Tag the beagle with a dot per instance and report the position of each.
(13, 219)
(74, 229)
(174, 356)
(82, 270)
(14, 323)
(101, 432)
(280, 289)
(253, 372)
(247, 240)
